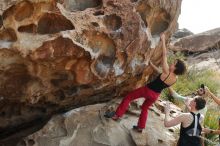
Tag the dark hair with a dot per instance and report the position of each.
(180, 67)
(200, 102)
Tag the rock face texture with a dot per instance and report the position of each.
(198, 42)
(56, 55)
(86, 126)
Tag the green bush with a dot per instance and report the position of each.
(191, 81)
(211, 121)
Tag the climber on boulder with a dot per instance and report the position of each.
(152, 90)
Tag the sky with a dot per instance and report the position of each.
(199, 15)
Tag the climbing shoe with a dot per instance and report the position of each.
(136, 128)
(115, 117)
(109, 114)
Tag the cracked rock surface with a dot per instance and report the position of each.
(56, 55)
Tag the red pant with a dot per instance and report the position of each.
(150, 97)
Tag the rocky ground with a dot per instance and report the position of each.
(86, 126)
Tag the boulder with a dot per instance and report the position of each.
(198, 42)
(180, 33)
(57, 55)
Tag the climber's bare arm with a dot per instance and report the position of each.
(165, 66)
(154, 67)
(210, 131)
(173, 122)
